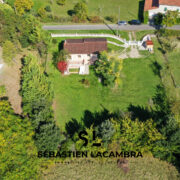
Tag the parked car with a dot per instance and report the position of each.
(122, 22)
(134, 22)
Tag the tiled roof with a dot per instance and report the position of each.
(153, 4)
(149, 42)
(85, 46)
(170, 2)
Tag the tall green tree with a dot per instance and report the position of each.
(17, 149)
(37, 97)
(170, 18)
(9, 52)
(108, 69)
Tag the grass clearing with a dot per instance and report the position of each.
(128, 9)
(175, 66)
(72, 98)
(141, 34)
(139, 169)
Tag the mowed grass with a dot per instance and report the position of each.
(124, 9)
(175, 66)
(128, 8)
(72, 98)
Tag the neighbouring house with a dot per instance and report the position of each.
(83, 52)
(161, 6)
(149, 45)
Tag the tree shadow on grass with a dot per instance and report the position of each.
(156, 67)
(89, 118)
(139, 112)
(141, 11)
(72, 127)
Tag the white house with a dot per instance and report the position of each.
(83, 52)
(161, 6)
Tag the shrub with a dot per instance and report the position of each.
(54, 41)
(48, 8)
(75, 19)
(112, 19)
(85, 82)
(158, 19)
(41, 12)
(9, 51)
(62, 66)
(146, 17)
(95, 19)
(61, 2)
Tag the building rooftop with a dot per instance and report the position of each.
(85, 46)
(154, 4)
(149, 42)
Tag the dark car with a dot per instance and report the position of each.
(134, 22)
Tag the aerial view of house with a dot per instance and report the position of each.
(83, 52)
(89, 89)
(161, 6)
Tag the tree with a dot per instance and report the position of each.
(17, 150)
(158, 19)
(80, 10)
(135, 135)
(108, 69)
(62, 66)
(42, 12)
(106, 131)
(62, 55)
(23, 5)
(37, 95)
(61, 2)
(170, 18)
(2, 91)
(9, 52)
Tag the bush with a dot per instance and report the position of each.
(95, 19)
(146, 17)
(112, 19)
(85, 82)
(158, 19)
(61, 2)
(41, 12)
(75, 19)
(54, 41)
(62, 66)
(48, 8)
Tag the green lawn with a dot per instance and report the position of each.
(72, 98)
(175, 66)
(141, 34)
(128, 8)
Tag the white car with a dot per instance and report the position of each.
(122, 22)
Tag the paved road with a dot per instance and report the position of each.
(103, 27)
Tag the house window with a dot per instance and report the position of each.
(165, 9)
(79, 56)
